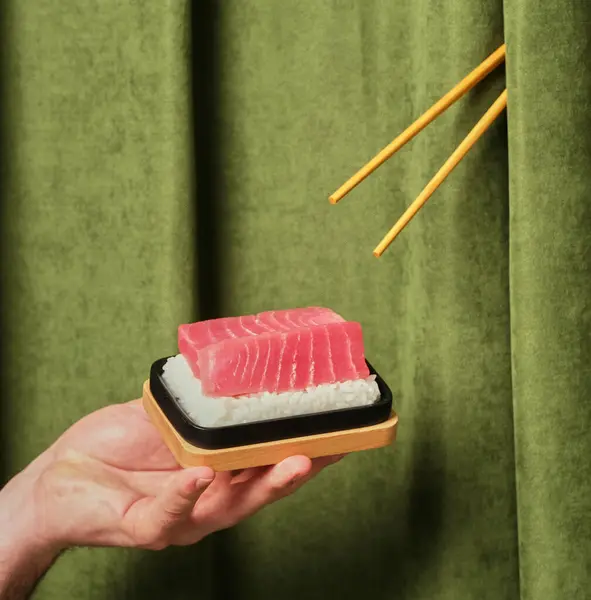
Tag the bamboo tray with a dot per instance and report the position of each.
(267, 453)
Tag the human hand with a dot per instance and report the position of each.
(109, 480)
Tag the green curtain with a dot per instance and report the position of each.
(172, 160)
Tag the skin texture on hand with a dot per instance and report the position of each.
(25, 554)
(113, 482)
(109, 480)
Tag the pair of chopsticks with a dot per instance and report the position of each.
(477, 75)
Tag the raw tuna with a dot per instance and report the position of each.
(278, 361)
(196, 336)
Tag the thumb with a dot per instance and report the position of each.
(176, 502)
(178, 498)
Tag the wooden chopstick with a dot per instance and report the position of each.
(477, 75)
(485, 122)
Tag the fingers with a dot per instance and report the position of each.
(318, 464)
(285, 475)
(235, 496)
(278, 482)
(270, 485)
(177, 500)
(173, 518)
(154, 526)
(326, 461)
(245, 475)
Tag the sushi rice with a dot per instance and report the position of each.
(206, 411)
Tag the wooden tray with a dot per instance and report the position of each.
(269, 453)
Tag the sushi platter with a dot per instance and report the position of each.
(251, 391)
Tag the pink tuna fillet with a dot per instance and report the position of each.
(195, 336)
(283, 360)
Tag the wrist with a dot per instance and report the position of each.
(26, 527)
(21, 552)
(26, 550)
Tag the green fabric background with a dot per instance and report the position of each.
(119, 222)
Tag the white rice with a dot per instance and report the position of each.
(207, 411)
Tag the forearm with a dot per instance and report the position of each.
(26, 553)
(22, 567)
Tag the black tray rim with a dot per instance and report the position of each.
(271, 429)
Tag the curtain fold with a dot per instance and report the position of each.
(98, 261)
(150, 178)
(549, 80)
(309, 94)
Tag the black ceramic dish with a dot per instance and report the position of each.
(273, 429)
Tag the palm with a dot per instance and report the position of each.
(121, 436)
(142, 495)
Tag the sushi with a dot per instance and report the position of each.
(271, 365)
(252, 390)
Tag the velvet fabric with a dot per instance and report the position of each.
(167, 161)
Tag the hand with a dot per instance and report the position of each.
(110, 481)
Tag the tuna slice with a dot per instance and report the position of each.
(279, 361)
(196, 336)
